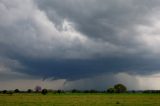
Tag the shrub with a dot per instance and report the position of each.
(111, 90)
(29, 91)
(75, 91)
(16, 91)
(44, 91)
(4, 91)
(10, 92)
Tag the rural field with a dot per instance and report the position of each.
(80, 99)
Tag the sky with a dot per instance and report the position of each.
(79, 44)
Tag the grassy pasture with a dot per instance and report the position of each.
(70, 99)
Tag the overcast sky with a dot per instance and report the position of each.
(82, 44)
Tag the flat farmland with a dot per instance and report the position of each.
(80, 99)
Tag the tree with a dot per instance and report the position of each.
(111, 90)
(10, 92)
(29, 90)
(44, 91)
(59, 91)
(75, 91)
(93, 91)
(16, 91)
(4, 91)
(38, 88)
(120, 88)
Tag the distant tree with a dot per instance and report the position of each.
(133, 91)
(120, 88)
(44, 91)
(111, 90)
(38, 88)
(16, 91)
(86, 91)
(10, 92)
(4, 91)
(75, 91)
(93, 91)
(29, 91)
(59, 91)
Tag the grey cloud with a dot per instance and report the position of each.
(103, 19)
(114, 22)
(75, 39)
(73, 69)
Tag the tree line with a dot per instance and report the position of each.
(118, 88)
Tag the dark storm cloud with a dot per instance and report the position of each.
(76, 39)
(78, 69)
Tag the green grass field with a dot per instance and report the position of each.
(80, 100)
